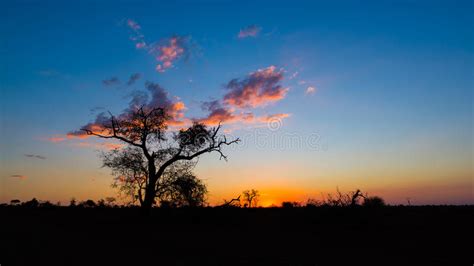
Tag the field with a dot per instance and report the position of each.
(429, 235)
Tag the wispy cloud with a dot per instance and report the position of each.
(133, 25)
(136, 35)
(294, 75)
(56, 139)
(101, 146)
(249, 31)
(166, 51)
(133, 78)
(21, 177)
(35, 156)
(113, 81)
(310, 90)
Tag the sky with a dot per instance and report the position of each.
(324, 95)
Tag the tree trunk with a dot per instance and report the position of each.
(150, 191)
(148, 201)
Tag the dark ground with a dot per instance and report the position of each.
(295, 236)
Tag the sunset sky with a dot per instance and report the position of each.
(323, 95)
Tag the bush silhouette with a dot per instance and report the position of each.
(373, 201)
(32, 203)
(290, 204)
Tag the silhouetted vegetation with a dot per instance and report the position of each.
(407, 235)
(251, 198)
(373, 201)
(290, 204)
(142, 168)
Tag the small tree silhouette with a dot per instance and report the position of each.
(251, 198)
(72, 203)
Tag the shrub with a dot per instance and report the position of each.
(374, 201)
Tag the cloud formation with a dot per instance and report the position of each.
(310, 90)
(168, 51)
(133, 78)
(136, 35)
(222, 114)
(113, 81)
(106, 145)
(258, 89)
(165, 52)
(249, 31)
(35, 156)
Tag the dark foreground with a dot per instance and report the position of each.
(294, 236)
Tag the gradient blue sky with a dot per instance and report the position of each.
(392, 107)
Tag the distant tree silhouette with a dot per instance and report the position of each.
(46, 204)
(15, 202)
(373, 201)
(110, 201)
(343, 199)
(251, 198)
(144, 130)
(101, 203)
(313, 203)
(32, 203)
(72, 203)
(88, 204)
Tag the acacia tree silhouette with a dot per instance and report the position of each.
(144, 129)
(251, 196)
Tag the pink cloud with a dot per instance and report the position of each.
(140, 45)
(310, 90)
(219, 114)
(168, 52)
(258, 89)
(136, 34)
(249, 31)
(270, 118)
(133, 24)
